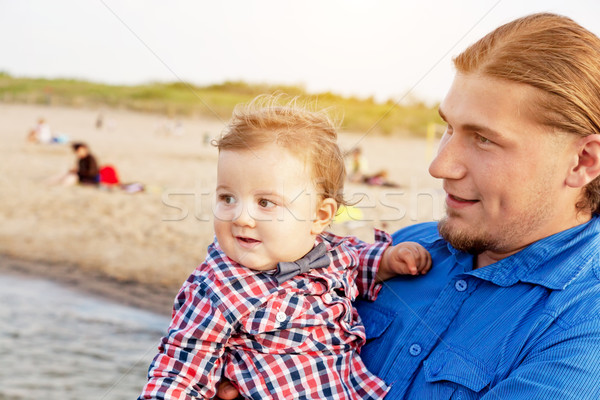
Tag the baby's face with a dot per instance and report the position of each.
(265, 206)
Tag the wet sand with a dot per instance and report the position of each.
(87, 282)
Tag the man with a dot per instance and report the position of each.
(511, 307)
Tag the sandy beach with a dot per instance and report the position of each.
(139, 247)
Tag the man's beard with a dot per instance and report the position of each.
(463, 241)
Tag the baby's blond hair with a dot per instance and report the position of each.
(311, 135)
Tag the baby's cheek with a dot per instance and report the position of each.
(223, 214)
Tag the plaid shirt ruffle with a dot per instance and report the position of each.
(297, 340)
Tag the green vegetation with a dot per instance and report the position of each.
(359, 115)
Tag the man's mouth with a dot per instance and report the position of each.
(460, 198)
(458, 202)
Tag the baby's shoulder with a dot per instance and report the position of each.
(335, 243)
(231, 287)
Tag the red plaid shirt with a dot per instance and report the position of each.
(297, 340)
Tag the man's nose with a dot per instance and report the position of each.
(449, 162)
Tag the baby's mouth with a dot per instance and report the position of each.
(246, 241)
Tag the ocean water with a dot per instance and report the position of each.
(58, 343)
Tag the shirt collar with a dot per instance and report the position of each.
(460, 257)
(552, 262)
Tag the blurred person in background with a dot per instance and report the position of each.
(86, 171)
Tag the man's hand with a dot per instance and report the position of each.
(226, 391)
(406, 258)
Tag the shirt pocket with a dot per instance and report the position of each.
(278, 324)
(457, 374)
(375, 319)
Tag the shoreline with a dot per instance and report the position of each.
(148, 297)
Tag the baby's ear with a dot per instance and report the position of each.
(324, 215)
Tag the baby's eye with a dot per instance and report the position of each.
(227, 198)
(264, 203)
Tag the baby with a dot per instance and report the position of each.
(271, 306)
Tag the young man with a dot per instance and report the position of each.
(511, 307)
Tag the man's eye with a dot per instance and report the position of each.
(227, 198)
(448, 130)
(483, 139)
(264, 203)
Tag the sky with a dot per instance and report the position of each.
(389, 49)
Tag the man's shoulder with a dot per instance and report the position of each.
(422, 233)
(580, 300)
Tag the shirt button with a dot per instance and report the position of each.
(414, 350)
(327, 298)
(281, 316)
(461, 285)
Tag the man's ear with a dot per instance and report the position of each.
(324, 215)
(587, 166)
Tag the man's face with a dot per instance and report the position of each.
(504, 174)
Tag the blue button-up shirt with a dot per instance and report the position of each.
(525, 327)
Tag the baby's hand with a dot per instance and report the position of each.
(406, 258)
